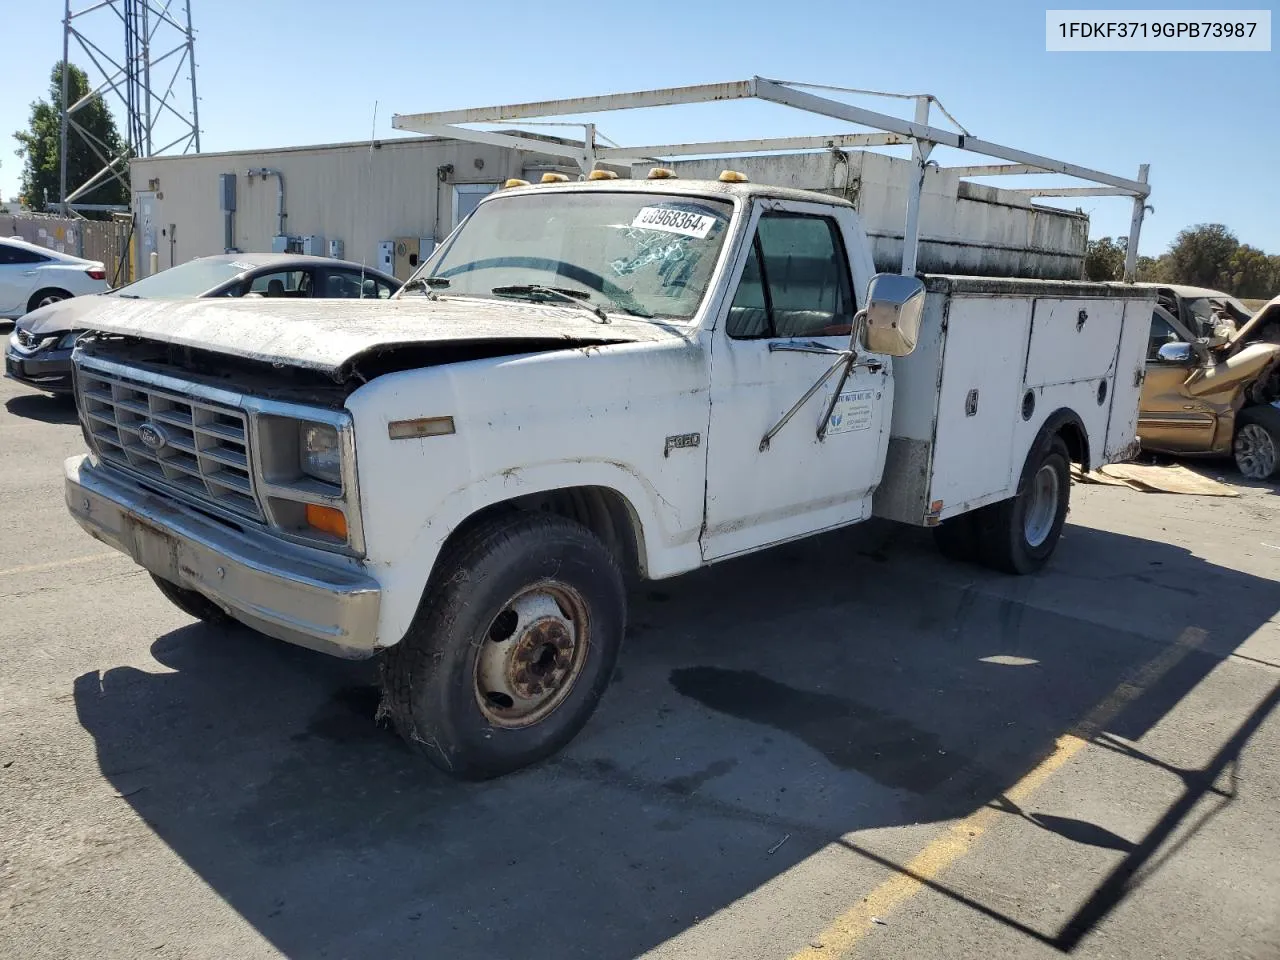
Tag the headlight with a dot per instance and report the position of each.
(25, 342)
(319, 454)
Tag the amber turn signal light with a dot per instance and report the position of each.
(328, 519)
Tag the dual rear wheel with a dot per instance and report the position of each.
(1017, 535)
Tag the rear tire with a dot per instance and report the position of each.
(1019, 535)
(512, 647)
(1257, 442)
(42, 298)
(192, 603)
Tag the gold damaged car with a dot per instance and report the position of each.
(1212, 383)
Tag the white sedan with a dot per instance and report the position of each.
(31, 277)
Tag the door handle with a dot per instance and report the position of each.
(29, 273)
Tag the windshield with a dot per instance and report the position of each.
(641, 253)
(189, 279)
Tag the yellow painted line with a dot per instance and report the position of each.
(57, 564)
(851, 926)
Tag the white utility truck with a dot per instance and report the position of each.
(586, 380)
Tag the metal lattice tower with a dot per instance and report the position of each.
(158, 41)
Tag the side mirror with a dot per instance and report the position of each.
(1179, 353)
(892, 316)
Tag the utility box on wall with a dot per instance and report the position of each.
(313, 246)
(227, 192)
(335, 249)
(407, 252)
(227, 205)
(386, 256)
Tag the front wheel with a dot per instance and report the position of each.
(512, 647)
(1257, 443)
(192, 603)
(1019, 535)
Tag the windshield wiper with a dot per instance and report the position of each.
(429, 285)
(536, 291)
(128, 296)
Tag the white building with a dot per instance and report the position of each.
(386, 203)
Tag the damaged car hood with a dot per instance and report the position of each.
(1267, 314)
(63, 316)
(332, 335)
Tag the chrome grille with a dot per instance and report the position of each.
(191, 446)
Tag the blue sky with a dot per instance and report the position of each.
(310, 71)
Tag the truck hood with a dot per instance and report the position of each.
(331, 336)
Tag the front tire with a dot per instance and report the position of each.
(1019, 535)
(1257, 442)
(192, 603)
(512, 647)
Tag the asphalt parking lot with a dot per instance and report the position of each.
(845, 747)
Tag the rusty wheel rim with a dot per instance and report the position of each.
(532, 654)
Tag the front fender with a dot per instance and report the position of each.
(523, 425)
(668, 542)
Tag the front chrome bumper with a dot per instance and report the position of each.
(282, 591)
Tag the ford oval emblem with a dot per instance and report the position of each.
(152, 436)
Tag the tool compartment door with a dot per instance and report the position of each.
(1073, 340)
(982, 360)
(1126, 388)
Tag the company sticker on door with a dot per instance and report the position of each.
(851, 412)
(669, 220)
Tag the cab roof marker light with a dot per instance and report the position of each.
(661, 173)
(732, 176)
(602, 175)
(420, 428)
(515, 182)
(554, 178)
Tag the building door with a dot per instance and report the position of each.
(466, 197)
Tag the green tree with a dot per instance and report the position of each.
(1250, 273)
(41, 146)
(1201, 255)
(1104, 258)
(1153, 269)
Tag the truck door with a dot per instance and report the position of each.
(794, 286)
(1169, 419)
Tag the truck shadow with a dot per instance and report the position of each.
(852, 682)
(47, 408)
